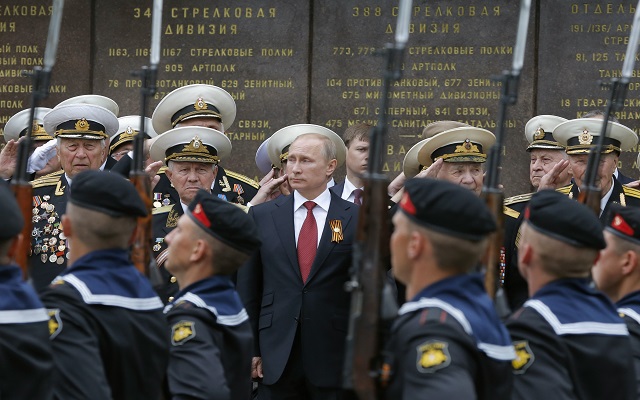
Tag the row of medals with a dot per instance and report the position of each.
(56, 244)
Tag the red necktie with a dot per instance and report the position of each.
(357, 199)
(307, 241)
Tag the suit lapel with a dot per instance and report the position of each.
(336, 212)
(283, 221)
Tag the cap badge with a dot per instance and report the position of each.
(621, 225)
(128, 133)
(38, 129)
(585, 137)
(82, 125)
(196, 146)
(200, 104)
(467, 147)
(407, 205)
(199, 214)
(539, 134)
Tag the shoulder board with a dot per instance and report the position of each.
(518, 199)
(161, 170)
(631, 191)
(565, 189)
(162, 210)
(510, 212)
(47, 180)
(242, 178)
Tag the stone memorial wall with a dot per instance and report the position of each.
(289, 62)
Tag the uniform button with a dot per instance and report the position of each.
(170, 299)
(173, 279)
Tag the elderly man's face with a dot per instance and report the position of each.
(604, 178)
(542, 161)
(189, 177)
(77, 155)
(466, 174)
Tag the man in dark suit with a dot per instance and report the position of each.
(293, 287)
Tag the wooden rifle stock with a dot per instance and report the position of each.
(494, 200)
(142, 242)
(23, 193)
(590, 196)
(363, 359)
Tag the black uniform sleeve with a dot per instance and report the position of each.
(436, 364)
(539, 369)
(76, 351)
(195, 368)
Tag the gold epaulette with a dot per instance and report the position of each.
(161, 170)
(517, 199)
(565, 189)
(47, 180)
(162, 210)
(242, 178)
(510, 212)
(632, 192)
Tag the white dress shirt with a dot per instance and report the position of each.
(605, 199)
(323, 201)
(347, 191)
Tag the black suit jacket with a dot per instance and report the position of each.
(337, 189)
(279, 303)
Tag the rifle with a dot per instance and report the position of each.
(373, 305)
(40, 78)
(590, 194)
(491, 191)
(141, 248)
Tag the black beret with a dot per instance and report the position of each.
(12, 221)
(107, 193)
(554, 214)
(624, 222)
(446, 208)
(225, 222)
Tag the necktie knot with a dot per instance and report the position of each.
(357, 196)
(309, 205)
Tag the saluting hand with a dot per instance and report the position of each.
(550, 179)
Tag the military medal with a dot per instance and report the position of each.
(223, 197)
(43, 258)
(157, 197)
(53, 258)
(166, 201)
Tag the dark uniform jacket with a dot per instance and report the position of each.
(448, 343)
(514, 285)
(110, 339)
(629, 310)
(48, 243)
(163, 221)
(229, 186)
(211, 343)
(279, 303)
(571, 344)
(26, 360)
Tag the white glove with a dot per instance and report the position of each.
(41, 156)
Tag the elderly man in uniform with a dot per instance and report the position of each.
(617, 271)
(17, 127)
(192, 155)
(446, 342)
(108, 330)
(569, 340)
(549, 164)
(210, 107)
(211, 339)
(293, 286)
(122, 141)
(451, 151)
(26, 371)
(579, 137)
(82, 131)
(545, 152)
